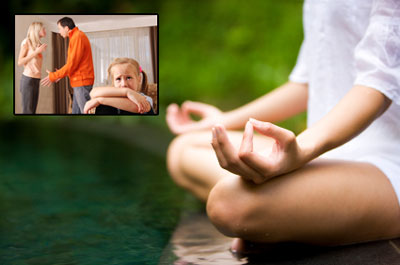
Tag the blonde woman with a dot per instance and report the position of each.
(127, 94)
(30, 56)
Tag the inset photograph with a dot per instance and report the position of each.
(86, 64)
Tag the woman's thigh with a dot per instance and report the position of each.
(325, 202)
(193, 164)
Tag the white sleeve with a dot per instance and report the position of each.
(377, 55)
(299, 73)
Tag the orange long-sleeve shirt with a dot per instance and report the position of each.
(79, 66)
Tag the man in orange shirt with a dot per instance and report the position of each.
(79, 66)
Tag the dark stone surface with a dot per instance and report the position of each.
(196, 241)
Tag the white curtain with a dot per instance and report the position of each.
(107, 45)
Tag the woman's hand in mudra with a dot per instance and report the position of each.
(179, 120)
(283, 157)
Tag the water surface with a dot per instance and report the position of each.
(73, 197)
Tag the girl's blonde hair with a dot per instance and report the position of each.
(33, 34)
(135, 65)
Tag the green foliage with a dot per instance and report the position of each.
(227, 52)
(6, 91)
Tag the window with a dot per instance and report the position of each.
(133, 43)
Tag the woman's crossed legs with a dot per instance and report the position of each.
(326, 202)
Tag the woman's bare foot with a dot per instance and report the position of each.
(237, 245)
(240, 247)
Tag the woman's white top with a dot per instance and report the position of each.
(349, 42)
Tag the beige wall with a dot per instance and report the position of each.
(92, 23)
(46, 94)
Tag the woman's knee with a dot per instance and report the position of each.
(220, 208)
(174, 161)
(231, 208)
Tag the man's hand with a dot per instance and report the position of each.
(46, 81)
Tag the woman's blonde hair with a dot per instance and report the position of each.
(33, 34)
(135, 65)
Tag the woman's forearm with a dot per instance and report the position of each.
(355, 112)
(280, 104)
(23, 60)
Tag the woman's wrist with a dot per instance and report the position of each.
(224, 118)
(308, 147)
(230, 120)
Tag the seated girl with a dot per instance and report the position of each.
(126, 96)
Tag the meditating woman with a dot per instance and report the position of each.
(338, 182)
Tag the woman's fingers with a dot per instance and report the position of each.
(200, 109)
(173, 118)
(263, 165)
(42, 48)
(220, 156)
(172, 110)
(229, 159)
(196, 108)
(247, 141)
(176, 121)
(282, 135)
(250, 158)
(223, 148)
(180, 121)
(172, 107)
(272, 164)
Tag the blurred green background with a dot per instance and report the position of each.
(223, 52)
(75, 188)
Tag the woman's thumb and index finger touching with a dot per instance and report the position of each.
(283, 136)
